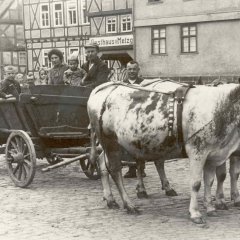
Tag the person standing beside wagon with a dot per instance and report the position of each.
(56, 73)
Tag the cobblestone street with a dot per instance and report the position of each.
(64, 204)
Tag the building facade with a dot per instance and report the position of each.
(48, 24)
(178, 38)
(12, 46)
(111, 27)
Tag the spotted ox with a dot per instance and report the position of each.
(136, 120)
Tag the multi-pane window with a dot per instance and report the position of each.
(111, 24)
(189, 39)
(44, 15)
(72, 13)
(22, 58)
(126, 23)
(46, 62)
(58, 14)
(84, 11)
(159, 40)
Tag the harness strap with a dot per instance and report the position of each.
(179, 97)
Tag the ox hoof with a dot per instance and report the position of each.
(198, 220)
(221, 206)
(212, 214)
(236, 204)
(113, 205)
(142, 194)
(132, 210)
(171, 193)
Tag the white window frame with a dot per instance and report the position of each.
(111, 24)
(83, 9)
(59, 12)
(122, 23)
(44, 12)
(45, 55)
(20, 59)
(72, 4)
(73, 49)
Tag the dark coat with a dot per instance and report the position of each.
(10, 87)
(138, 81)
(55, 74)
(98, 73)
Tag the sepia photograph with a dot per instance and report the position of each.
(119, 119)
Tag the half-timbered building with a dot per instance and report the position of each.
(48, 24)
(12, 46)
(111, 27)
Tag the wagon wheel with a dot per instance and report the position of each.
(92, 171)
(20, 158)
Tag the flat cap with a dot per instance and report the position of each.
(92, 45)
(10, 69)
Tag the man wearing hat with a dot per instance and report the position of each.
(97, 70)
(55, 74)
(9, 85)
(74, 76)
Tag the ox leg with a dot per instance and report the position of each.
(114, 156)
(221, 175)
(234, 173)
(165, 183)
(208, 176)
(196, 170)
(107, 192)
(141, 191)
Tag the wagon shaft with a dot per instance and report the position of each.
(65, 162)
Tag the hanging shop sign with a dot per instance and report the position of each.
(112, 41)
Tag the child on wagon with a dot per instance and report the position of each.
(74, 76)
(9, 86)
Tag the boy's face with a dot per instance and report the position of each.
(10, 75)
(73, 65)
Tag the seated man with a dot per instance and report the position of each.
(9, 86)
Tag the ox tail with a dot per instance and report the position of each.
(93, 152)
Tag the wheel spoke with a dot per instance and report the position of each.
(19, 144)
(24, 172)
(27, 155)
(19, 172)
(14, 145)
(88, 164)
(24, 148)
(27, 163)
(17, 167)
(26, 167)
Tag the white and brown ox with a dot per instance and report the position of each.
(136, 120)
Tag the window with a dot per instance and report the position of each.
(189, 39)
(126, 23)
(84, 12)
(72, 50)
(22, 58)
(111, 24)
(72, 13)
(58, 14)
(159, 40)
(46, 62)
(152, 1)
(7, 58)
(44, 15)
